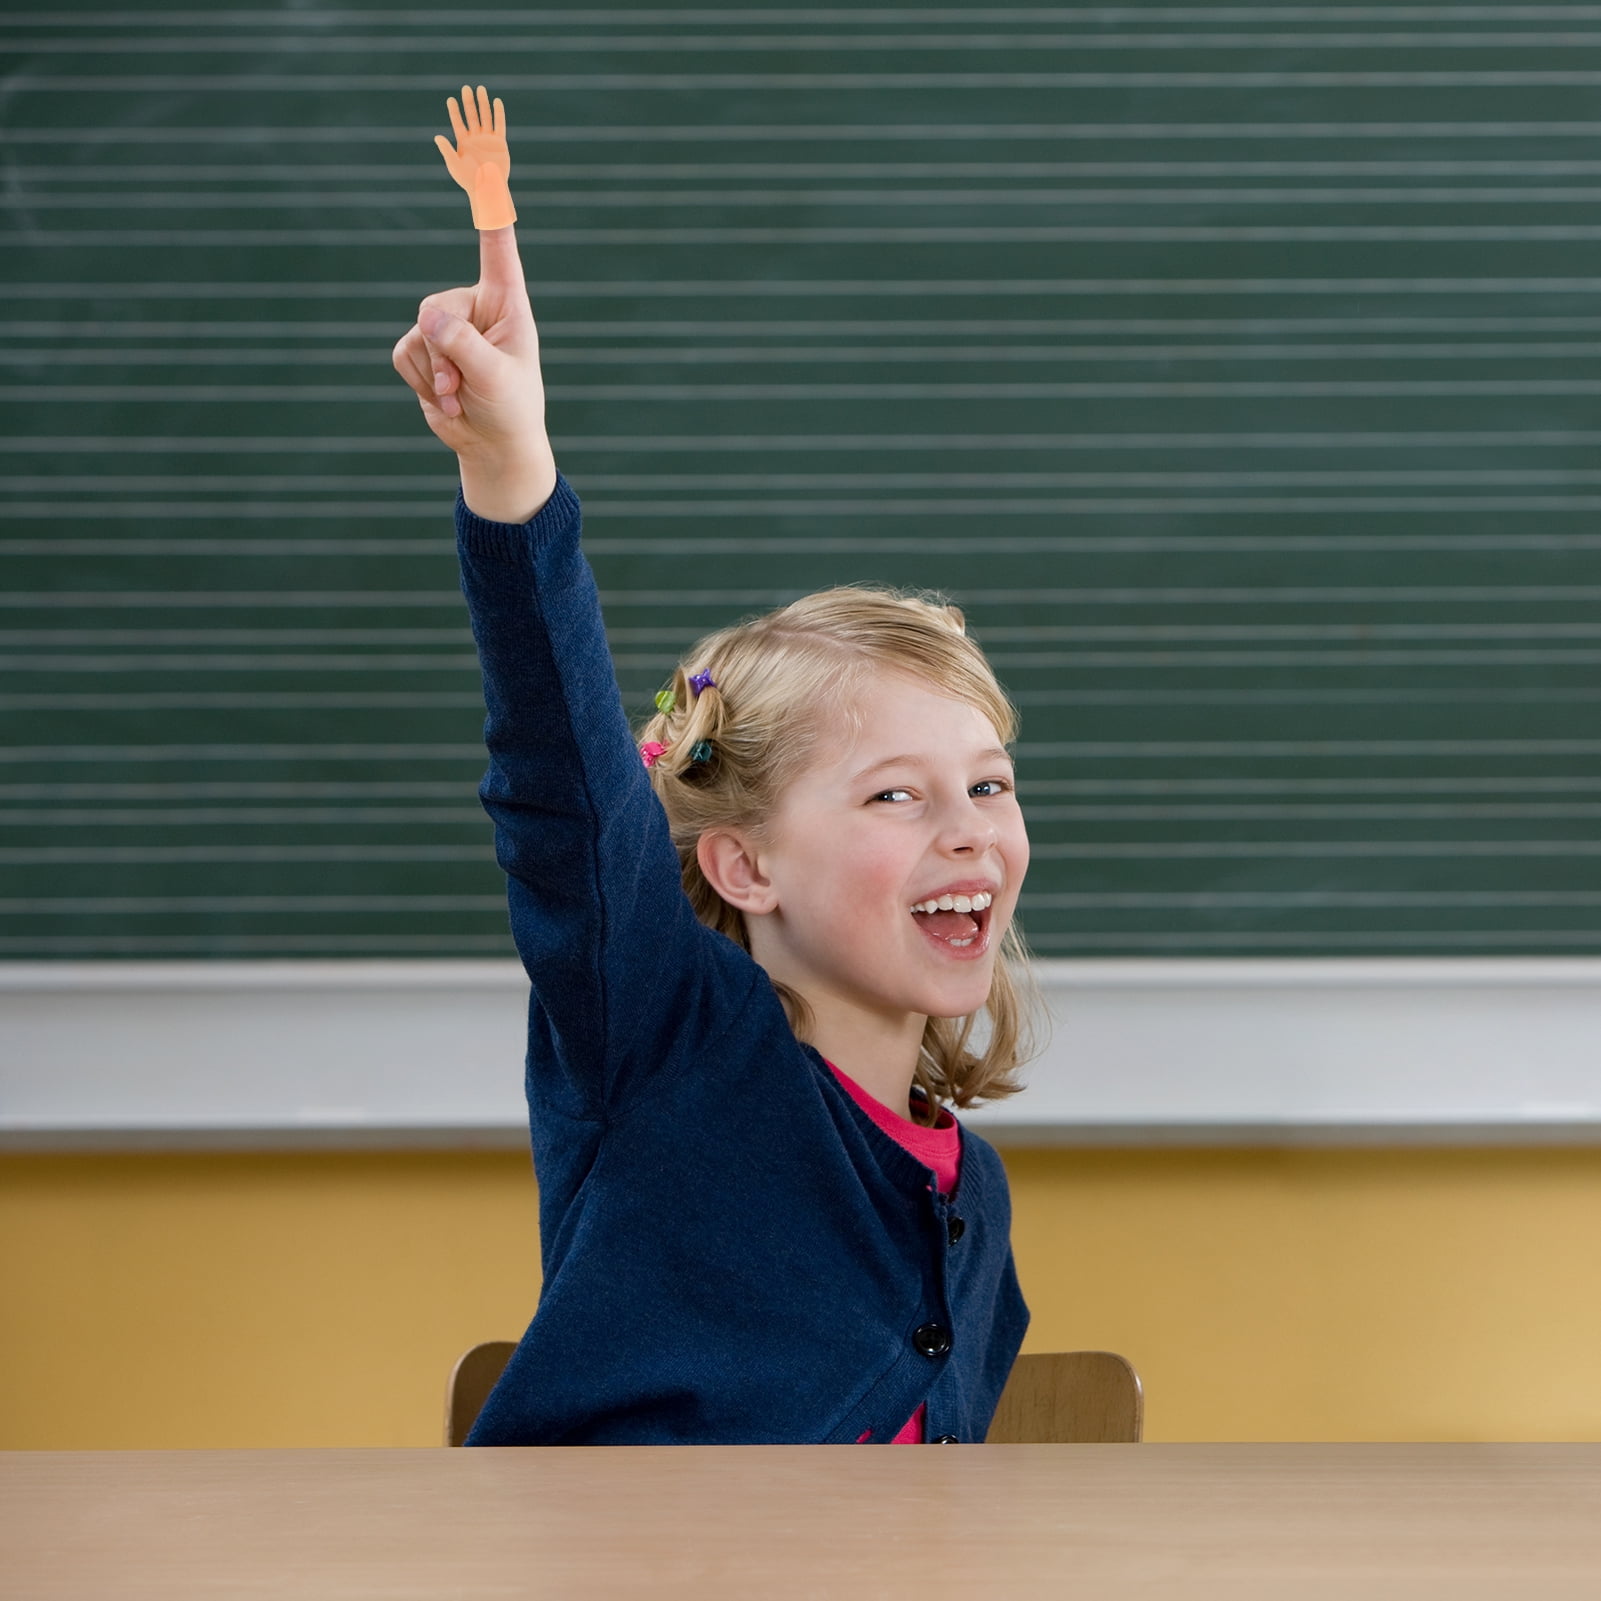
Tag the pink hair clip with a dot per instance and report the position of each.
(652, 752)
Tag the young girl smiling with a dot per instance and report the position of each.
(759, 935)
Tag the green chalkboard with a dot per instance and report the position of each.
(1237, 368)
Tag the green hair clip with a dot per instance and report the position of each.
(665, 702)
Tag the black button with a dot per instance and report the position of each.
(933, 1339)
(947, 1439)
(955, 1228)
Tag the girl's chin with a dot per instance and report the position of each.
(961, 998)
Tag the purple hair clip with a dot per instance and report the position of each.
(702, 681)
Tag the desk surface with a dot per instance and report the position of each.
(1197, 1521)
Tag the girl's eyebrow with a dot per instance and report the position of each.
(992, 753)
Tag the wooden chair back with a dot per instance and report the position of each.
(471, 1380)
(1070, 1398)
(1053, 1398)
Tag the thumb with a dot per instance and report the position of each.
(449, 335)
(452, 161)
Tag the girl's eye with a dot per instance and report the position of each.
(990, 786)
(893, 795)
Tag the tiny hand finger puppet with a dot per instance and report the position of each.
(480, 160)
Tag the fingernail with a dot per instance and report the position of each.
(431, 322)
(441, 383)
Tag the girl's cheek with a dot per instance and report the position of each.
(881, 874)
(1018, 847)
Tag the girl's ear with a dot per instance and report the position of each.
(733, 869)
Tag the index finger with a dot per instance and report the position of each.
(498, 261)
(459, 127)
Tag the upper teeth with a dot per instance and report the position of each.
(956, 903)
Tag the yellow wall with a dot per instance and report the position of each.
(318, 1299)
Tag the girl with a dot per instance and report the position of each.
(757, 943)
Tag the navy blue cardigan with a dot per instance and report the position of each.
(733, 1252)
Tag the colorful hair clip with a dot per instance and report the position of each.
(652, 752)
(702, 681)
(665, 702)
(702, 751)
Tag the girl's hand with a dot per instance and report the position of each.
(472, 360)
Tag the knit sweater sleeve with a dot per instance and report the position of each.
(626, 982)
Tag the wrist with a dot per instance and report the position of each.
(491, 200)
(504, 492)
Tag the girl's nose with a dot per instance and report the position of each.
(969, 832)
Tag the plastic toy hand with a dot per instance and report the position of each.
(480, 161)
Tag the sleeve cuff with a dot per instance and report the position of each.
(513, 541)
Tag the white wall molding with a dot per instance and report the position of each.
(231, 1054)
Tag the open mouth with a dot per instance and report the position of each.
(960, 922)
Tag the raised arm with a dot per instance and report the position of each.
(626, 983)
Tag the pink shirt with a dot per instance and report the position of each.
(939, 1148)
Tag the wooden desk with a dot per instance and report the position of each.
(765, 1523)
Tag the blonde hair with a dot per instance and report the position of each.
(782, 681)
